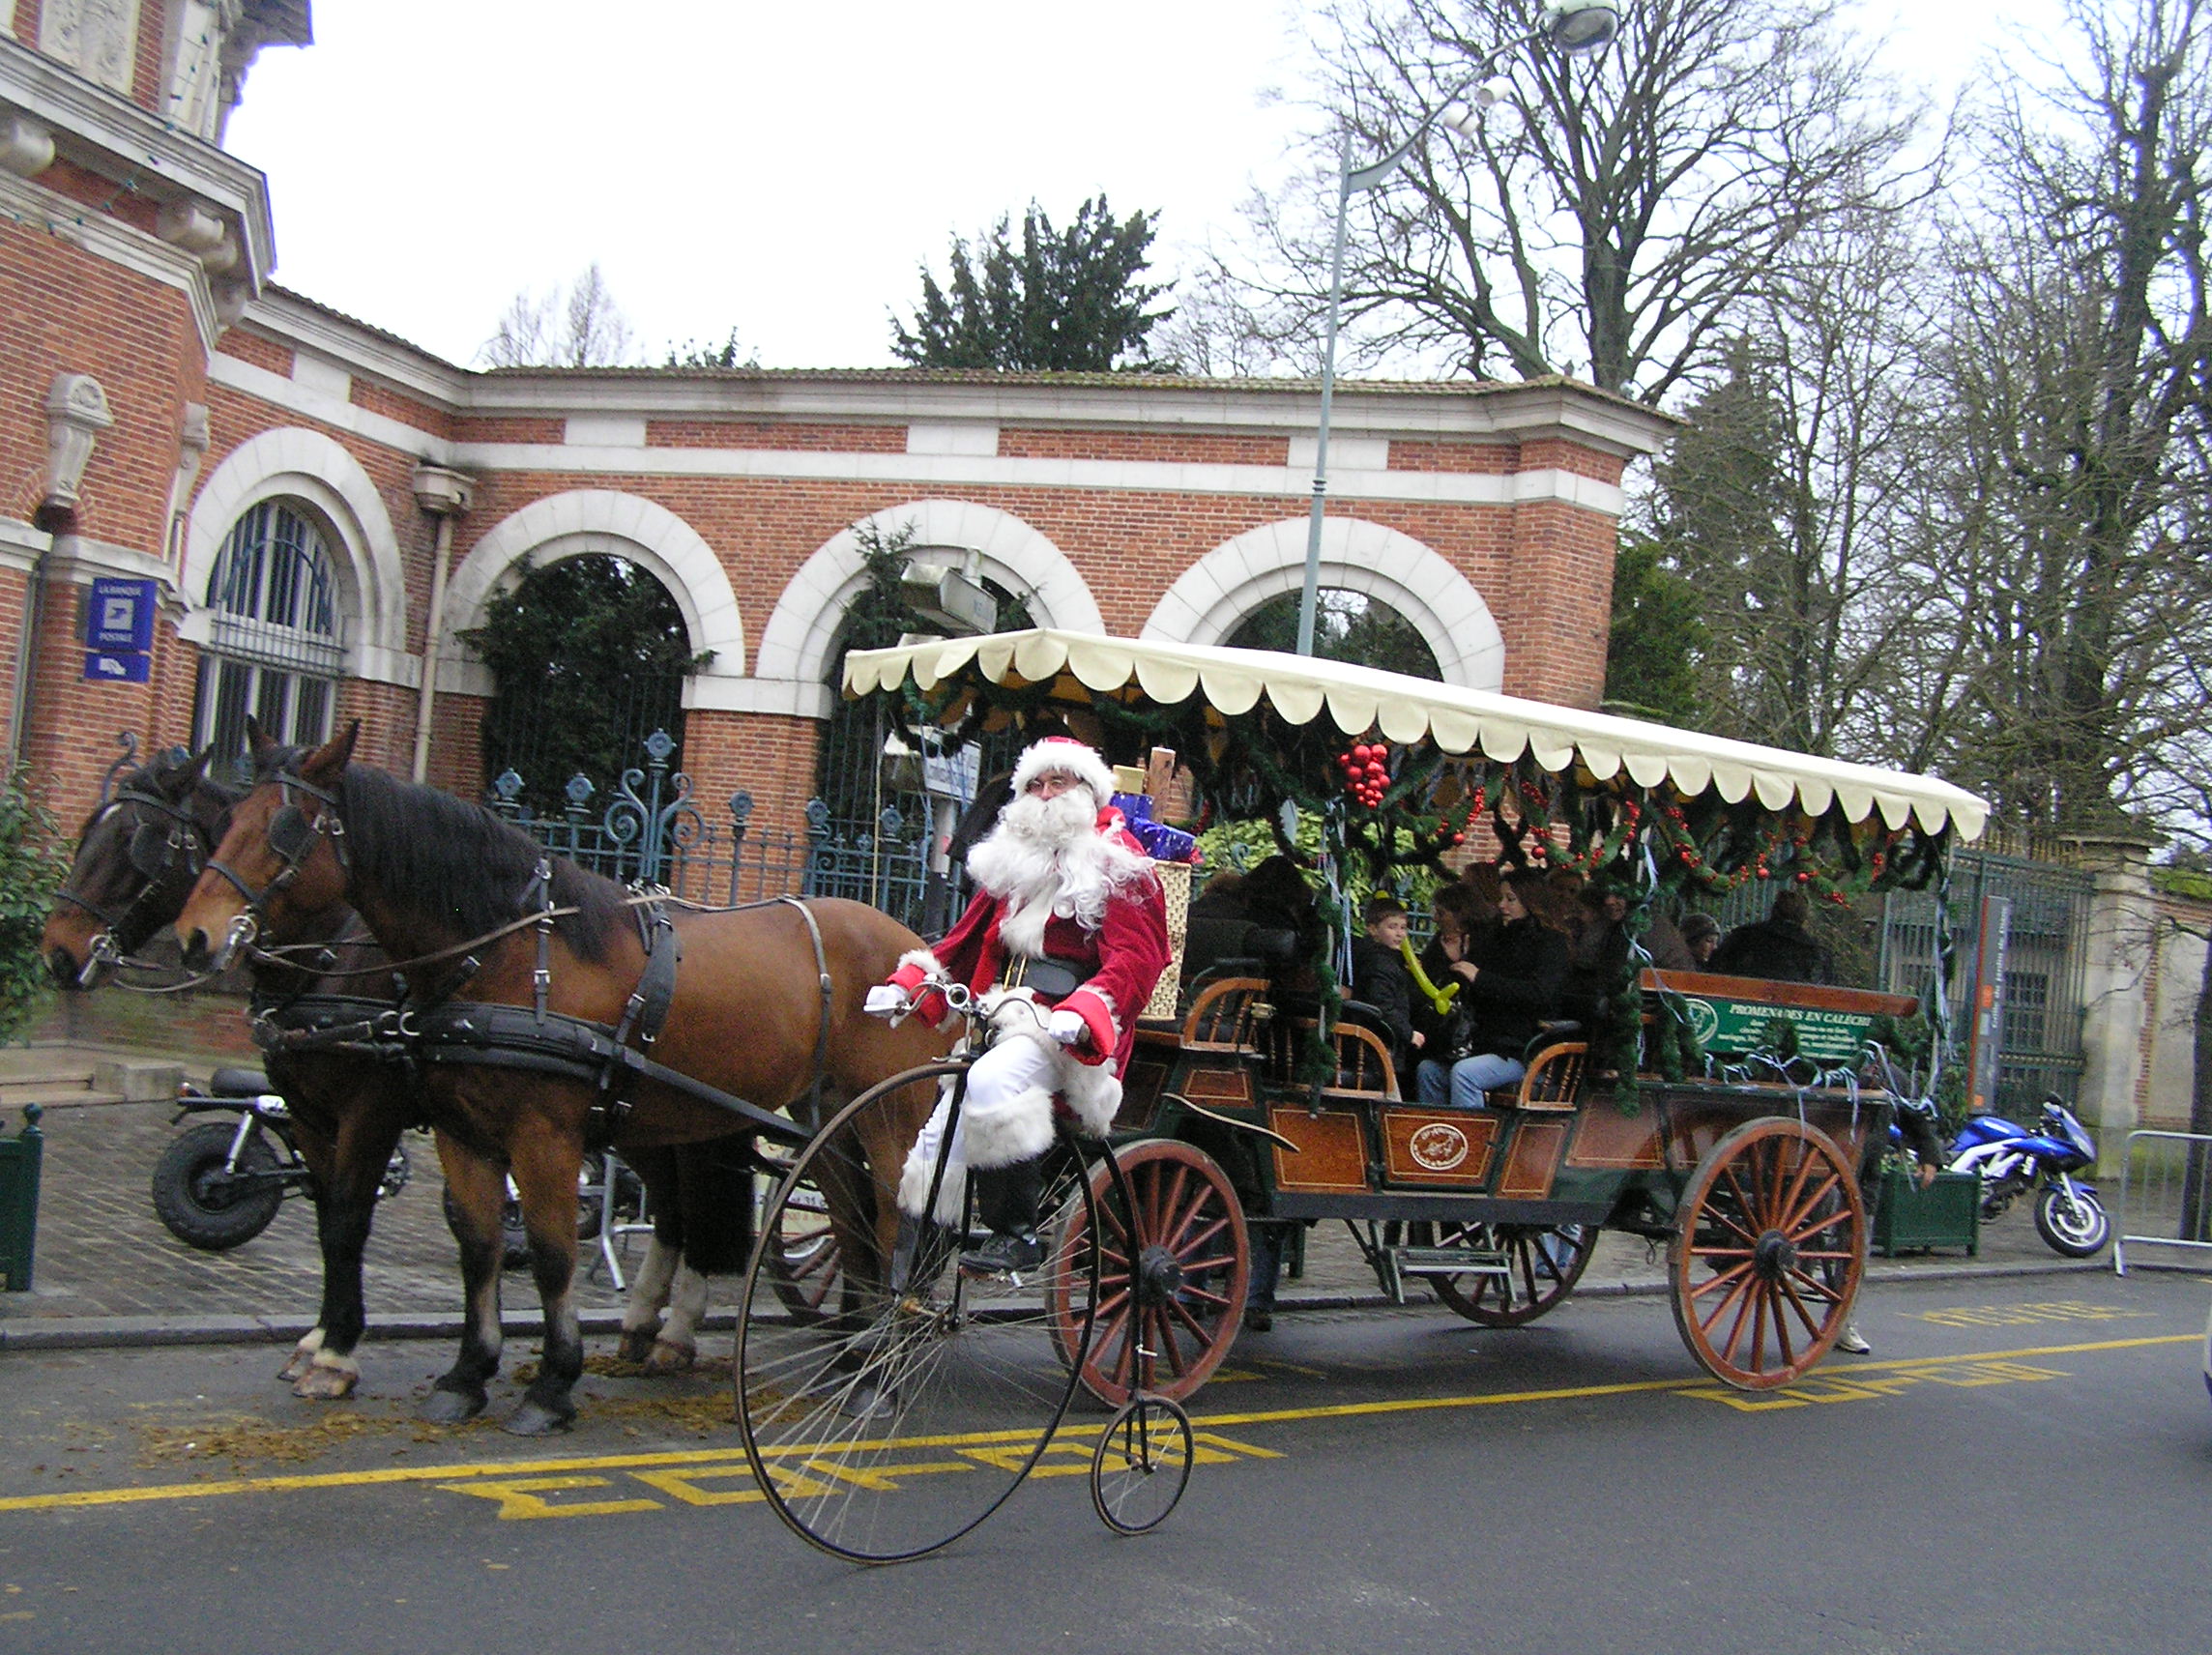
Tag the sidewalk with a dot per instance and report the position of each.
(108, 1273)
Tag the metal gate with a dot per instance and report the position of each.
(2045, 957)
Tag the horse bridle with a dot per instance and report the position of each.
(152, 851)
(291, 835)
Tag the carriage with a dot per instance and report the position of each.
(1704, 1123)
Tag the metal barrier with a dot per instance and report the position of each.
(2166, 1193)
(19, 1160)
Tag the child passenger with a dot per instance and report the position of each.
(1378, 974)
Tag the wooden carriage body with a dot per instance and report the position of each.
(1561, 1147)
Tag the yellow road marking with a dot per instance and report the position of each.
(702, 1461)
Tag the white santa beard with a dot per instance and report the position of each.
(1045, 857)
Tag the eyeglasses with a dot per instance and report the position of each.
(1051, 783)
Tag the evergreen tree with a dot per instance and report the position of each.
(591, 654)
(1066, 301)
(1658, 639)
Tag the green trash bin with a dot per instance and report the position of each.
(1947, 1213)
(19, 1158)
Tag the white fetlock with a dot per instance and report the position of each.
(329, 1378)
(302, 1356)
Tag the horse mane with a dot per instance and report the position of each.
(458, 860)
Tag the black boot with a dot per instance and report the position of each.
(1007, 1201)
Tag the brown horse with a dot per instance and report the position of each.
(455, 896)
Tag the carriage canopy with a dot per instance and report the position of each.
(1082, 669)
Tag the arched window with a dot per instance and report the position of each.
(276, 648)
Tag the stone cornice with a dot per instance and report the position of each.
(361, 349)
(1517, 413)
(106, 132)
(113, 240)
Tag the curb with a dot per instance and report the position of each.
(132, 1332)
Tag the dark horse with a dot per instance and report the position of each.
(452, 894)
(136, 859)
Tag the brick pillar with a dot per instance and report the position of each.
(772, 756)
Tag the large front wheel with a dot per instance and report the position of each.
(889, 1420)
(1767, 1252)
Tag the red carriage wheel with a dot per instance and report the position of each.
(1172, 1294)
(1768, 1248)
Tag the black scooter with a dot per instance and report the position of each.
(218, 1185)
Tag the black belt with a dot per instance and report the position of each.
(1053, 979)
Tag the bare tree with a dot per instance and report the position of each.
(1613, 216)
(2074, 350)
(581, 327)
(1798, 475)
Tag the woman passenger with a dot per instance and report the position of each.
(1511, 989)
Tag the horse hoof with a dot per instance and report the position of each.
(326, 1384)
(636, 1347)
(297, 1368)
(667, 1358)
(536, 1419)
(450, 1407)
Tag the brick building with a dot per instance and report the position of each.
(324, 507)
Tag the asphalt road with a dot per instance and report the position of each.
(2020, 1465)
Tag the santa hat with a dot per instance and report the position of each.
(1066, 753)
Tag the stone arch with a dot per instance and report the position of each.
(314, 471)
(1213, 594)
(584, 521)
(796, 643)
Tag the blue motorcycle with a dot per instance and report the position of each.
(2011, 1160)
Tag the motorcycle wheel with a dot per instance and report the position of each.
(188, 1195)
(2074, 1229)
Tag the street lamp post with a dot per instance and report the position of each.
(1572, 26)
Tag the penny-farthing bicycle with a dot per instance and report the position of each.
(906, 1404)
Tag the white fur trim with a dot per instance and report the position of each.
(1058, 753)
(1017, 1129)
(926, 960)
(921, 1166)
(1094, 1093)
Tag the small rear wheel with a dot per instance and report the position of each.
(1142, 1464)
(1541, 1267)
(1767, 1254)
(1171, 1294)
(205, 1203)
(890, 1426)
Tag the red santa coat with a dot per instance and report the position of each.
(1122, 960)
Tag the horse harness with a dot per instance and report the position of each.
(492, 1035)
(157, 853)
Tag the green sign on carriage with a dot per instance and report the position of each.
(1733, 1016)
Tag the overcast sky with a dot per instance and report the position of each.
(782, 170)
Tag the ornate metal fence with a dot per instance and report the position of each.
(654, 831)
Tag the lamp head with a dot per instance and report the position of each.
(1579, 27)
(1466, 118)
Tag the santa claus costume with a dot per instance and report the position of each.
(1063, 942)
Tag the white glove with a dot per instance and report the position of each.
(1068, 1028)
(885, 1000)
